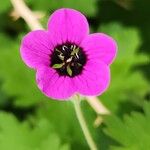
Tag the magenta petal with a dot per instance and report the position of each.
(36, 48)
(68, 25)
(94, 80)
(100, 46)
(53, 85)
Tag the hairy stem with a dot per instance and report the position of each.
(97, 105)
(83, 124)
(26, 14)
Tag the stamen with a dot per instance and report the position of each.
(57, 65)
(58, 50)
(77, 55)
(79, 64)
(73, 47)
(64, 47)
(69, 70)
(61, 56)
(68, 59)
(74, 51)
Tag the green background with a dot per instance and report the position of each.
(31, 121)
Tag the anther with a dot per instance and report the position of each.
(61, 56)
(73, 47)
(64, 47)
(77, 55)
(69, 60)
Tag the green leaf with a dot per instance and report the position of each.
(22, 136)
(57, 65)
(63, 114)
(133, 132)
(4, 6)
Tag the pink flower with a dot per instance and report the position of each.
(67, 58)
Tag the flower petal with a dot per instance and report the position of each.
(68, 25)
(94, 79)
(100, 46)
(53, 85)
(36, 48)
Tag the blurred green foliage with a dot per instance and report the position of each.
(29, 120)
(39, 137)
(133, 133)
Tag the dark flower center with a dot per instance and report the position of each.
(68, 59)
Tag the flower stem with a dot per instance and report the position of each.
(83, 124)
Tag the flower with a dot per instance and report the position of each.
(68, 59)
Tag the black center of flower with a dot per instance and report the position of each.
(68, 59)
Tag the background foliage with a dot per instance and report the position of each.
(29, 120)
